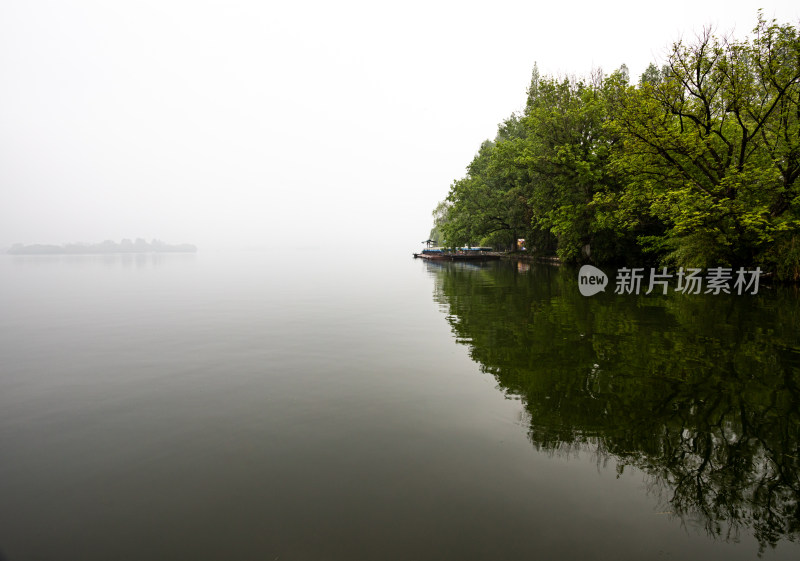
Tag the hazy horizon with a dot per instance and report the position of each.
(238, 123)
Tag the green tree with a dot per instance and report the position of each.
(697, 165)
(709, 147)
(489, 205)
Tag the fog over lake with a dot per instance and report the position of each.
(215, 342)
(254, 405)
(256, 124)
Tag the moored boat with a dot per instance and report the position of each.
(459, 254)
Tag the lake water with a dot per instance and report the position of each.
(251, 406)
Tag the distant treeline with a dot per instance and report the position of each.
(694, 166)
(108, 246)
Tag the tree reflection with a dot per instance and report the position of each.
(699, 392)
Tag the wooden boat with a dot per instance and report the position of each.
(461, 254)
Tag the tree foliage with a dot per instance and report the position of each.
(696, 165)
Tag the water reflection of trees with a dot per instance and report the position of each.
(702, 393)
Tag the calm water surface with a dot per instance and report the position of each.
(257, 407)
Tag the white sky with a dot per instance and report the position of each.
(259, 123)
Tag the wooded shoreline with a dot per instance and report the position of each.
(696, 165)
(106, 247)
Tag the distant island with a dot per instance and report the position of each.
(108, 246)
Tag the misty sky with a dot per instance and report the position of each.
(260, 123)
